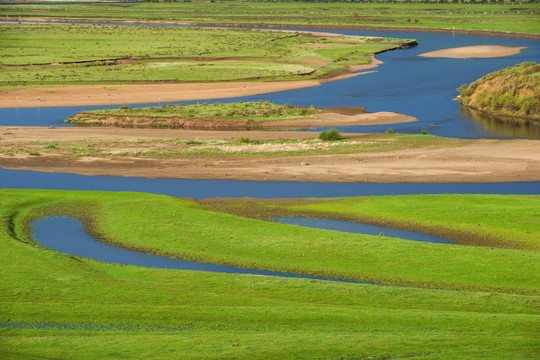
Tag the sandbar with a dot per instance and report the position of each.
(451, 160)
(476, 51)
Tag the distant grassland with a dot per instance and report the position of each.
(502, 16)
(512, 92)
(60, 306)
(55, 54)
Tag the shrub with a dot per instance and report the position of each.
(389, 131)
(330, 135)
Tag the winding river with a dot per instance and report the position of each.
(405, 83)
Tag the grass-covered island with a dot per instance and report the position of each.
(452, 301)
(233, 116)
(512, 93)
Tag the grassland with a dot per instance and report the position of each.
(513, 92)
(55, 54)
(499, 17)
(60, 306)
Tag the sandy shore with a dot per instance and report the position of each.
(450, 161)
(476, 51)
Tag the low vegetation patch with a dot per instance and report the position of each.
(512, 92)
(217, 115)
(330, 135)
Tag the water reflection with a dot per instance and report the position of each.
(506, 127)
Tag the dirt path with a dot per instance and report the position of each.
(446, 160)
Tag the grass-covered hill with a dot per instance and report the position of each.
(514, 91)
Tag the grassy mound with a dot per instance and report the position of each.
(514, 92)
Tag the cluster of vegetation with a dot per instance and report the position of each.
(55, 54)
(497, 15)
(70, 307)
(256, 111)
(330, 135)
(514, 91)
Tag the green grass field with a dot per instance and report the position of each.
(500, 16)
(60, 306)
(57, 54)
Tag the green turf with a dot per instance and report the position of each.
(503, 16)
(59, 306)
(56, 54)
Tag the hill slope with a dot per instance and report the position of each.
(514, 92)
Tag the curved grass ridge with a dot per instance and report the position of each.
(181, 229)
(59, 306)
(512, 92)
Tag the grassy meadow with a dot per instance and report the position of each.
(61, 306)
(501, 16)
(56, 54)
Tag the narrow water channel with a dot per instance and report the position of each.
(361, 228)
(75, 241)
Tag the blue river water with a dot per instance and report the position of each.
(75, 241)
(199, 189)
(405, 83)
(361, 228)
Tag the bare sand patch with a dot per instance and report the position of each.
(451, 160)
(476, 51)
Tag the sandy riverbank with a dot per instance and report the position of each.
(476, 51)
(87, 95)
(451, 160)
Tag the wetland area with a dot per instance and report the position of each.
(193, 210)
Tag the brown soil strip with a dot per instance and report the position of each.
(327, 119)
(448, 160)
(476, 51)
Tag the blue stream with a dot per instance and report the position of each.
(405, 83)
(74, 241)
(360, 228)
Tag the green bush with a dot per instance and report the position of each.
(330, 135)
